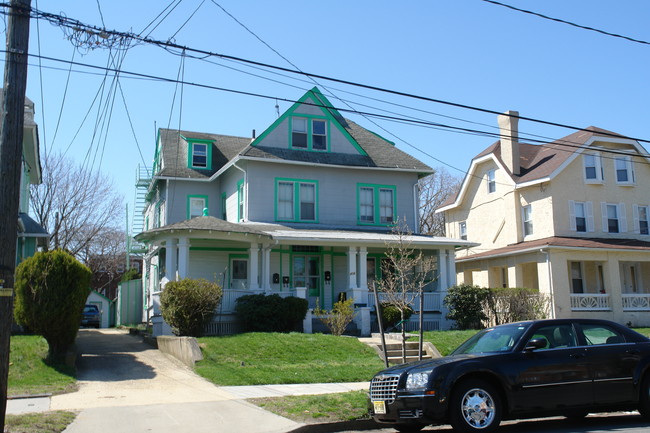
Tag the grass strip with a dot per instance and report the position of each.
(324, 408)
(42, 422)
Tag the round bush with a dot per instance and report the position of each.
(51, 291)
(188, 305)
(272, 313)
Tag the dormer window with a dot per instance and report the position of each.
(624, 170)
(199, 153)
(309, 134)
(593, 168)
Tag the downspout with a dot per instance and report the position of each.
(245, 216)
(550, 280)
(416, 206)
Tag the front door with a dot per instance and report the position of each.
(238, 274)
(307, 273)
(630, 278)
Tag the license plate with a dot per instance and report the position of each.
(380, 407)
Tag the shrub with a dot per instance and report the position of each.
(339, 318)
(51, 291)
(514, 304)
(188, 305)
(465, 304)
(391, 315)
(272, 313)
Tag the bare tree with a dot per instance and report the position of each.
(106, 258)
(75, 205)
(405, 274)
(435, 189)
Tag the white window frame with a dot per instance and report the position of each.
(620, 216)
(624, 164)
(641, 225)
(295, 123)
(462, 230)
(192, 208)
(202, 153)
(527, 220)
(491, 181)
(588, 209)
(597, 166)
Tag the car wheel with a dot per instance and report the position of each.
(408, 428)
(475, 407)
(644, 398)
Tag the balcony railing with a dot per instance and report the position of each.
(432, 301)
(590, 302)
(636, 302)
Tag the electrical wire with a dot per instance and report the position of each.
(558, 20)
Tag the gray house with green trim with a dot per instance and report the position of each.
(304, 209)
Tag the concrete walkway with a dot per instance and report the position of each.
(127, 386)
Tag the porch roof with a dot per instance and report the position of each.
(561, 242)
(282, 234)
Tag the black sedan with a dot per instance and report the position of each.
(567, 367)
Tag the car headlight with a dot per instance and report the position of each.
(417, 380)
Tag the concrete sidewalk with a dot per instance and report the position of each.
(22, 405)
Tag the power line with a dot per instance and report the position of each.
(103, 34)
(559, 20)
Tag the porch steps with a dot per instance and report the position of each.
(394, 349)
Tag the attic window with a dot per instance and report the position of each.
(309, 133)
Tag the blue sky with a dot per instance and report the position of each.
(463, 51)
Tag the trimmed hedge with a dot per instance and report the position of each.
(272, 313)
(188, 305)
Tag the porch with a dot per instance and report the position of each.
(603, 302)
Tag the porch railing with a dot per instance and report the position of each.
(636, 301)
(230, 297)
(590, 302)
(432, 301)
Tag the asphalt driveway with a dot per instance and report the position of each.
(127, 386)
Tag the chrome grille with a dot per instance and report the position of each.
(384, 387)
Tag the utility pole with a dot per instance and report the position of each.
(11, 152)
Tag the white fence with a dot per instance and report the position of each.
(636, 302)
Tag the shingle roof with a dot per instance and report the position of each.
(380, 153)
(562, 242)
(540, 161)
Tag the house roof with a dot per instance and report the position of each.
(292, 235)
(539, 161)
(375, 151)
(561, 242)
(27, 227)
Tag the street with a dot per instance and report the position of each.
(618, 422)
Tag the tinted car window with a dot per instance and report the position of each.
(556, 336)
(500, 339)
(601, 334)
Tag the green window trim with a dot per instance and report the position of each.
(310, 132)
(224, 214)
(240, 200)
(189, 204)
(296, 200)
(190, 152)
(376, 204)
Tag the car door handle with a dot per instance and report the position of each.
(577, 355)
(633, 351)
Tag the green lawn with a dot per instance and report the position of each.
(29, 373)
(273, 358)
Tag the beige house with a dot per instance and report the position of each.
(569, 218)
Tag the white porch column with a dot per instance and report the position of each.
(614, 286)
(363, 268)
(266, 269)
(451, 268)
(253, 267)
(352, 268)
(170, 259)
(183, 257)
(443, 271)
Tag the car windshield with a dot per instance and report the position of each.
(90, 309)
(498, 339)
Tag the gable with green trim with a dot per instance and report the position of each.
(311, 124)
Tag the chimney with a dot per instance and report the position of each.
(509, 131)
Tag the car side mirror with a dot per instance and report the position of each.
(537, 343)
